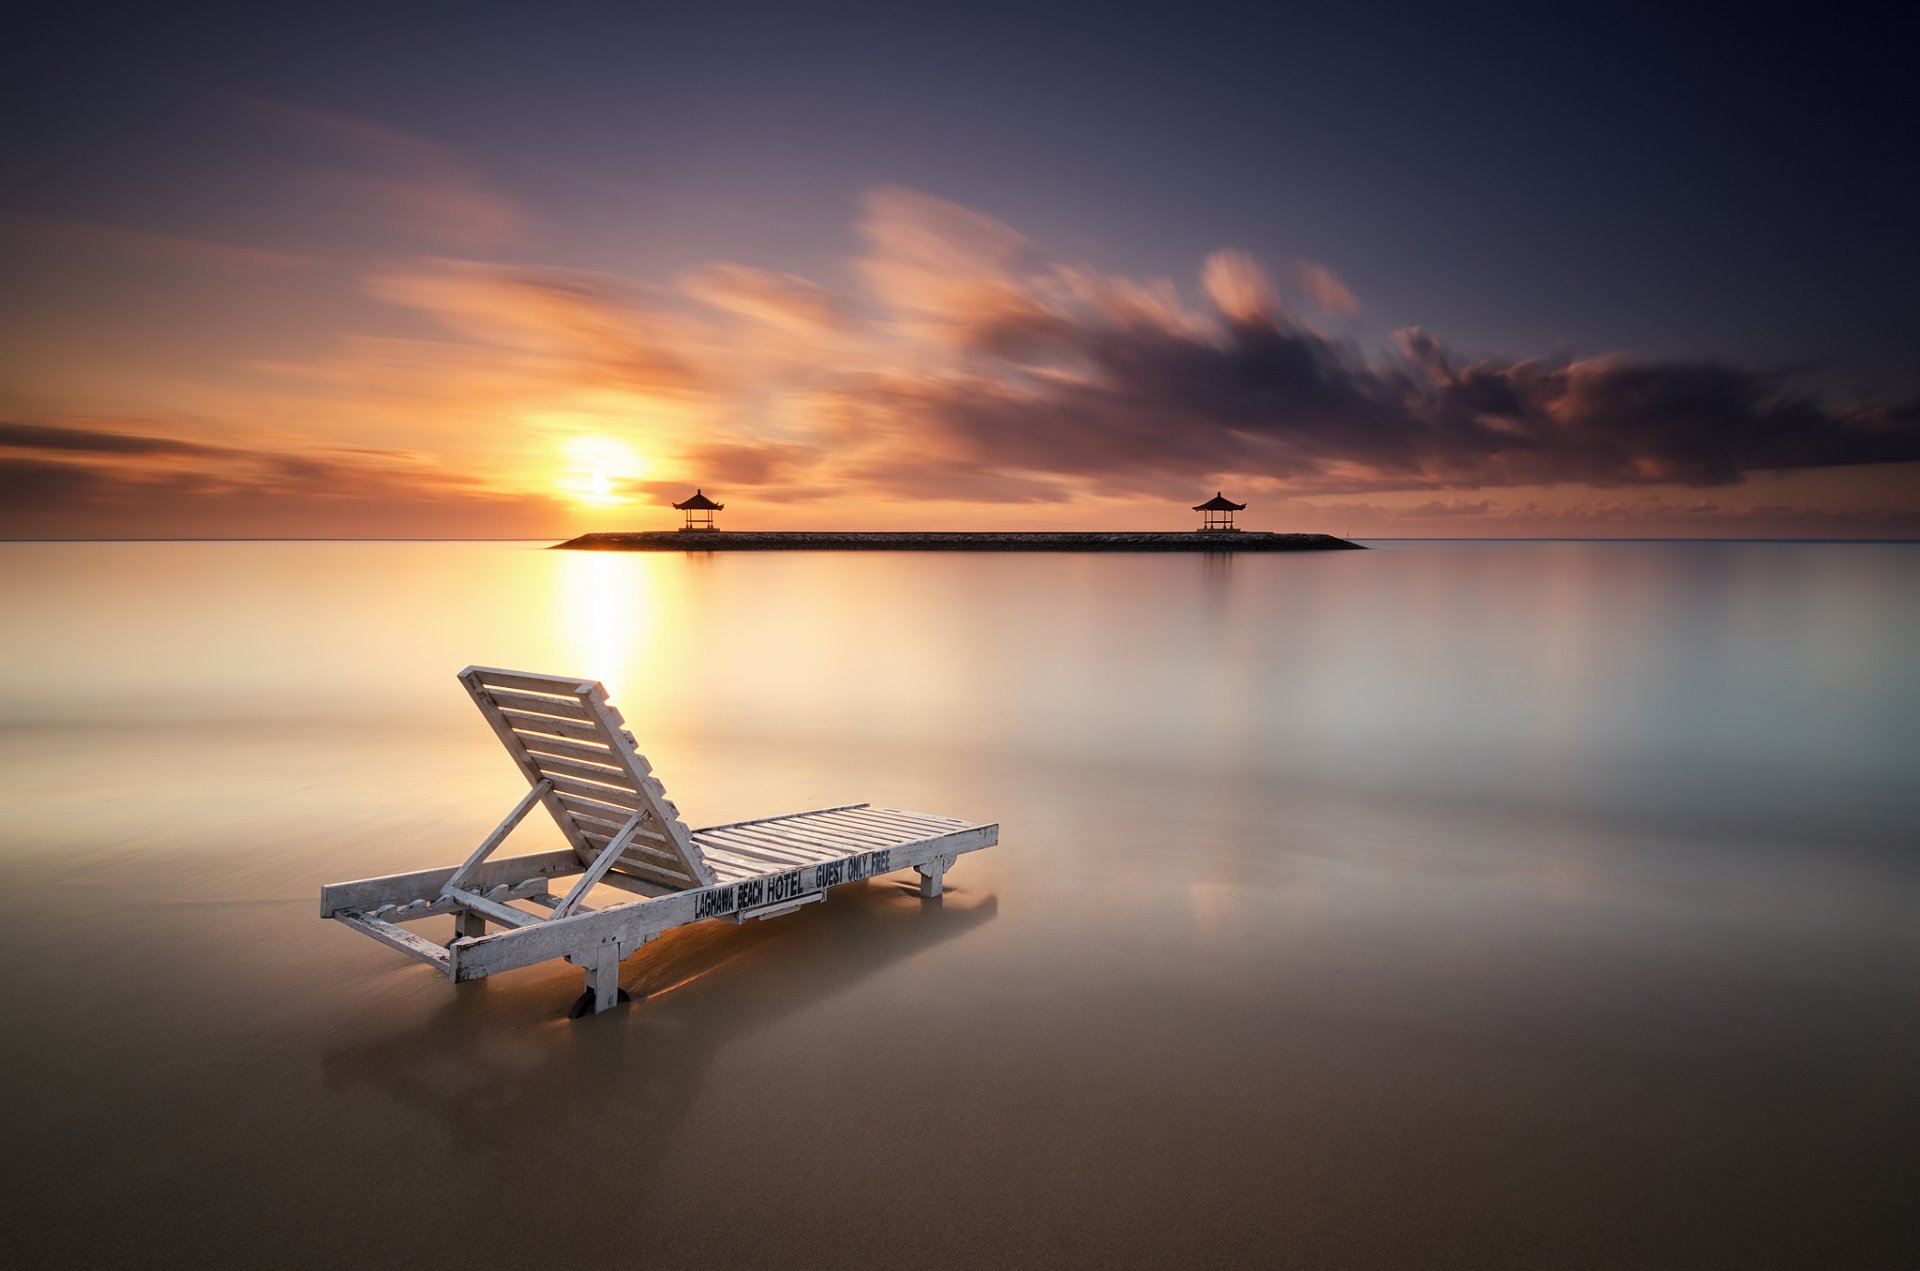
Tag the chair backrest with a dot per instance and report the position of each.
(563, 730)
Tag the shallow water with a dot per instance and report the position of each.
(1448, 904)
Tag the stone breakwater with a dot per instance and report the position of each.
(929, 541)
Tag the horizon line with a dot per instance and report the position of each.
(542, 538)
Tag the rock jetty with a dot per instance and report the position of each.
(961, 541)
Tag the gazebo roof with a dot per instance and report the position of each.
(700, 503)
(1219, 503)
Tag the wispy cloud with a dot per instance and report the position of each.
(86, 236)
(1239, 287)
(578, 326)
(1323, 288)
(389, 179)
(785, 301)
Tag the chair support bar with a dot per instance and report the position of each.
(598, 870)
(499, 835)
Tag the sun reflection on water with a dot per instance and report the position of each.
(605, 616)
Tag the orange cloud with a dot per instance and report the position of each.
(1239, 287)
(785, 301)
(1324, 288)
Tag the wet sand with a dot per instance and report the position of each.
(1489, 909)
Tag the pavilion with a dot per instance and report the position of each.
(699, 510)
(1219, 514)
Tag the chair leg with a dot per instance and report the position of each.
(931, 875)
(467, 924)
(603, 983)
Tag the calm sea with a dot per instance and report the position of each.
(1447, 904)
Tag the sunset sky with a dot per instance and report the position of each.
(451, 271)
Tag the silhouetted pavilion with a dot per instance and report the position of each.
(1219, 510)
(699, 510)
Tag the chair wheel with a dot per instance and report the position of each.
(583, 1005)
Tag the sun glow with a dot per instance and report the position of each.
(597, 470)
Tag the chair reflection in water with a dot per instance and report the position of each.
(582, 765)
(490, 1087)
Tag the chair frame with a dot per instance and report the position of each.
(571, 745)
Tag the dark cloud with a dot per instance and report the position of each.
(91, 441)
(1264, 395)
(746, 463)
(32, 484)
(104, 485)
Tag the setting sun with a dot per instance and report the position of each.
(597, 470)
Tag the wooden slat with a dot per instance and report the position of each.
(784, 816)
(775, 910)
(728, 872)
(911, 820)
(714, 852)
(750, 850)
(805, 853)
(586, 772)
(844, 822)
(827, 840)
(399, 938)
(641, 851)
(591, 752)
(527, 682)
(760, 848)
(765, 844)
(794, 825)
(398, 889)
(599, 834)
(841, 837)
(414, 910)
(718, 856)
(561, 708)
(658, 873)
(631, 800)
(860, 830)
(521, 722)
(603, 825)
(596, 809)
(493, 909)
(862, 819)
(797, 832)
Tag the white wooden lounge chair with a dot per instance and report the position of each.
(622, 831)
